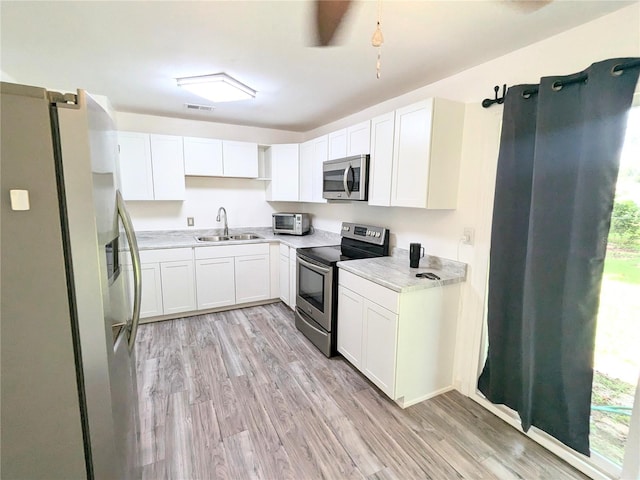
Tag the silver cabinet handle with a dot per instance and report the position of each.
(345, 181)
(137, 270)
(313, 266)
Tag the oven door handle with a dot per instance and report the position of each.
(345, 180)
(314, 266)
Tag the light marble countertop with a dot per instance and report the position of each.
(394, 273)
(160, 239)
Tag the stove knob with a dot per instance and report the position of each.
(377, 234)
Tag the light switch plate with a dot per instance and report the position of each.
(190, 222)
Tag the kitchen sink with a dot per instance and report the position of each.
(226, 238)
(244, 236)
(213, 238)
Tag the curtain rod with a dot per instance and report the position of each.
(487, 102)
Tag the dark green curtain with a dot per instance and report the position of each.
(557, 170)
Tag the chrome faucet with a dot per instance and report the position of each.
(226, 227)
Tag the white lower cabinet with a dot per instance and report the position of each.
(350, 325)
(366, 337)
(252, 278)
(293, 277)
(379, 346)
(232, 274)
(180, 280)
(215, 280)
(151, 299)
(168, 283)
(402, 342)
(285, 291)
(178, 287)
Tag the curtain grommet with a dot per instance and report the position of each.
(616, 71)
(556, 86)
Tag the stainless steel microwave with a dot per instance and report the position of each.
(291, 223)
(346, 178)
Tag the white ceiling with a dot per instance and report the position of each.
(133, 51)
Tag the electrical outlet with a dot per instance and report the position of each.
(468, 235)
(190, 222)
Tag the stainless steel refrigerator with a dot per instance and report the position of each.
(68, 325)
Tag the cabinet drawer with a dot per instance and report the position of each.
(221, 251)
(161, 255)
(382, 296)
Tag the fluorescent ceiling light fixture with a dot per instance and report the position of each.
(218, 87)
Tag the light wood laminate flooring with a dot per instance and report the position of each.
(243, 395)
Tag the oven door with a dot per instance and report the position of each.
(314, 291)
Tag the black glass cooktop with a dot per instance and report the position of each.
(332, 254)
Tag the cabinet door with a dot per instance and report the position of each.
(178, 292)
(320, 152)
(136, 174)
(168, 167)
(337, 144)
(381, 161)
(284, 279)
(240, 159)
(379, 346)
(215, 282)
(202, 156)
(358, 139)
(293, 278)
(252, 278)
(284, 173)
(306, 171)
(151, 298)
(350, 316)
(412, 144)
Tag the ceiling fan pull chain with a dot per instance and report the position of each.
(377, 39)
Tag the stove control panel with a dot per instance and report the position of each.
(365, 233)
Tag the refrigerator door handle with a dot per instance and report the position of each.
(137, 270)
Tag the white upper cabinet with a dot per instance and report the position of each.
(426, 154)
(312, 155)
(168, 167)
(283, 161)
(358, 137)
(151, 166)
(320, 152)
(203, 157)
(381, 160)
(349, 141)
(306, 171)
(337, 144)
(240, 159)
(136, 175)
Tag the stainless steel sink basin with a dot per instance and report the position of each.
(225, 238)
(244, 236)
(213, 238)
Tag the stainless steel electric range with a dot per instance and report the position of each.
(317, 280)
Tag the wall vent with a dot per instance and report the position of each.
(202, 108)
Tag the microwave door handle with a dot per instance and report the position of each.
(345, 180)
